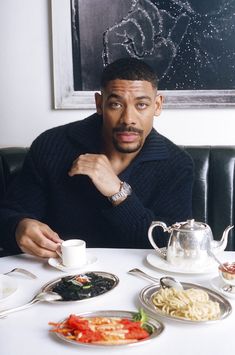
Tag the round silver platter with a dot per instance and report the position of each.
(147, 293)
(51, 284)
(157, 326)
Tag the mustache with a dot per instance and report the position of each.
(127, 129)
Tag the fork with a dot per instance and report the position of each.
(22, 271)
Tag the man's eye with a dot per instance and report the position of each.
(114, 105)
(141, 105)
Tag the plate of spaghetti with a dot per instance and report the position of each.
(108, 328)
(194, 304)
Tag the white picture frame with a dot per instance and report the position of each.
(65, 97)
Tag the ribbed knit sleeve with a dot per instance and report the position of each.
(25, 199)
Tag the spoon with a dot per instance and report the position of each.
(168, 282)
(40, 297)
(229, 288)
(142, 274)
(223, 267)
(165, 281)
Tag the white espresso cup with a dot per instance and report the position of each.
(73, 252)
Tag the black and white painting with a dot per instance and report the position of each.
(189, 43)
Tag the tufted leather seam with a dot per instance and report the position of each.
(221, 194)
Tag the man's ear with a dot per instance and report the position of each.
(158, 104)
(98, 103)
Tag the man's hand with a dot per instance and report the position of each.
(100, 171)
(36, 238)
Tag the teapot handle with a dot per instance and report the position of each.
(150, 236)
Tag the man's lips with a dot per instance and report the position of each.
(128, 134)
(127, 137)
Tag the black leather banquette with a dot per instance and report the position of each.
(213, 192)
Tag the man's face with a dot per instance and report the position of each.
(128, 108)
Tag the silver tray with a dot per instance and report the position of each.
(50, 285)
(157, 326)
(147, 293)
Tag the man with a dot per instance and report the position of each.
(103, 179)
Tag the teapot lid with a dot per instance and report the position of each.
(190, 225)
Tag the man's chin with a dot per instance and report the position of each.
(127, 149)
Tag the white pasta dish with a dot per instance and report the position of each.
(193, 304)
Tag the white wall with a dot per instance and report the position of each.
(26, 107)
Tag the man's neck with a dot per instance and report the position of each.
(120, 161)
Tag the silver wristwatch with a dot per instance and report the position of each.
(125, 190)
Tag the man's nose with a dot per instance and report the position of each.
(128, 116)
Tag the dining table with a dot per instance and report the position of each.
(28, 332)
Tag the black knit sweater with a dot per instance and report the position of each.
(161, 177)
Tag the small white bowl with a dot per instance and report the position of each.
(227, 274)
(8, 286)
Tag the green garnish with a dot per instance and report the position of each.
(142, 317)
(149, 328)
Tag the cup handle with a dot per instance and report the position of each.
(58, 251)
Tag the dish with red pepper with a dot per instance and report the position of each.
(104, 328)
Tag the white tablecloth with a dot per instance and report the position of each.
(27, 332)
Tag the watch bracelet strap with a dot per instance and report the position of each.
(121, 193)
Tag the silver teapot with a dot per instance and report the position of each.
(189, 244)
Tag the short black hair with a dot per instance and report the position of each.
(129, 69)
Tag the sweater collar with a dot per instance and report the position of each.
(87, 132)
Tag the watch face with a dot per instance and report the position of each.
(126, 187)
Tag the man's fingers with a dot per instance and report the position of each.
(43, 236)
(99, 169)
(89, 164)
(50, 234)
(37, 238)
(32, 248)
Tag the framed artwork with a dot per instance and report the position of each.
(189, 43)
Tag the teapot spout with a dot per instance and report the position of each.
(219, 246)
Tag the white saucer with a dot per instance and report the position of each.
(159, 263)
(7, 286)
(57, 263)
(218, 284)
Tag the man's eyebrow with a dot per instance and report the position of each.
(116, 96)
(144, 97)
